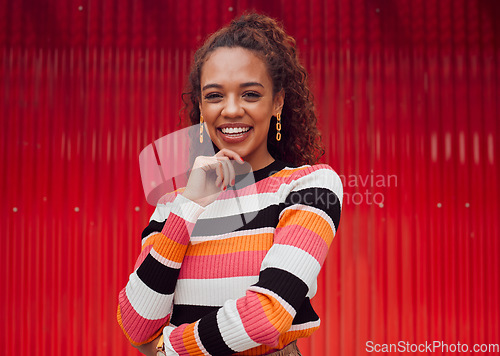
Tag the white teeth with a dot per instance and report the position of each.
(235, 130)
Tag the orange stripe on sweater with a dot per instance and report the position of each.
(257, 242)
(309, 220)
(288, 172)
(120, 322)
(149, 241)
(169, 249)
(189, 341)
(278, 316)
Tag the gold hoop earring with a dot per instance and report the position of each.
(278, 127)
(201, 128)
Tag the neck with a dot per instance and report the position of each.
(261, 162)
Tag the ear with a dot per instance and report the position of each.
(279, 101)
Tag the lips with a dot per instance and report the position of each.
(234, 133)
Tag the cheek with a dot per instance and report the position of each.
(265, 122)
(209, 121)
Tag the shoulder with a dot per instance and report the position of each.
(321, 176)
(316, 188)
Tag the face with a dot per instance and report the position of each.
(237, 103)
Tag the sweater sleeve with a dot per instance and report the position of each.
(145, 304)
(307, 224)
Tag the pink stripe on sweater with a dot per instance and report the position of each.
(177, 340)
(138, 328)
(142, 256)
(177, 229)
(303, 238)
(237, 264)
(255, 321)
(272, 184)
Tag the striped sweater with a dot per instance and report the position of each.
(237, 276)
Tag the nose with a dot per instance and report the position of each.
(232, 107)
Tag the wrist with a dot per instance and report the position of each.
(168, 348)
(159, 346)
(198, 201)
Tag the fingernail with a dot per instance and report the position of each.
(224, 188)
(241, 159)
(232, 182)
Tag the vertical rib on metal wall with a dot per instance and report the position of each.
(407, 95)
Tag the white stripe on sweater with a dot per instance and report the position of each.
(143, 299)
(165, 261)
(212, 292)
(264, 230)
(305, 326)
(293, 260)
(231, 328)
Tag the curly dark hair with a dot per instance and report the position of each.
(301, 140)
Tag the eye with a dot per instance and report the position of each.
(252, 95)
(213, 96)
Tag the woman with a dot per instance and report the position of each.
(202, 286)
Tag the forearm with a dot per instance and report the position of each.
(145, 303)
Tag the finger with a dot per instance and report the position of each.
(213, 164)
(232, 174)
(227, 176)
(208, 163)
(230, 154)
(220, 173)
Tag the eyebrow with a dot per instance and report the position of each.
(242, 85)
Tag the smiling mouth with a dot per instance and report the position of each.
(234, 134)
(234, 130)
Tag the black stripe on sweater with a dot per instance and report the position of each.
(211, 337)
(187, 314)
(154, 226)
(267, 217)
(288, 286)
(158, 277)
(305, 314)
(320, 198)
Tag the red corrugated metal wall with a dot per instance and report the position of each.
(407, 93)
